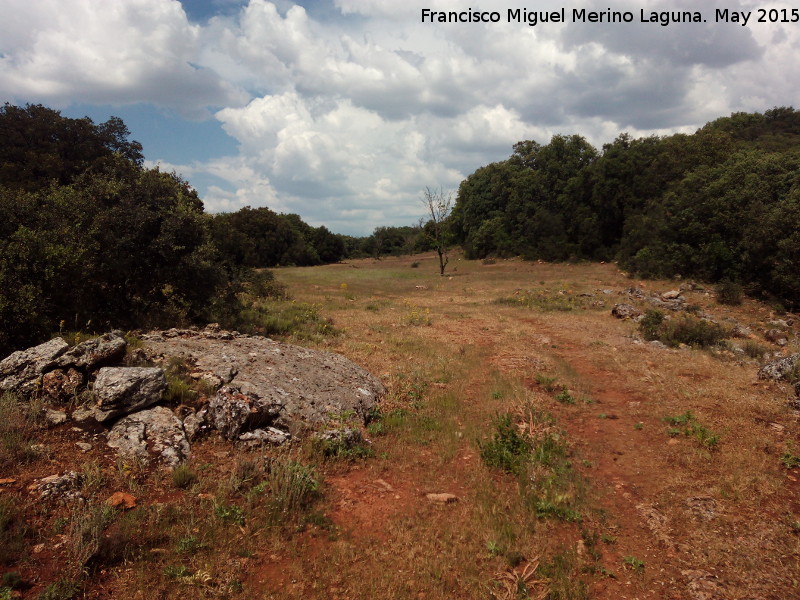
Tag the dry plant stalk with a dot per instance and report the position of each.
(512, 580)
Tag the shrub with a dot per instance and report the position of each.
(183, 476)
(688, 425)
(730, 293)
(292, 488)
(684, 329)
(508, 449)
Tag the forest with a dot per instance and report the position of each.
(91, 238)
(721, 204)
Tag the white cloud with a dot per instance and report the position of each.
(120, 51)
(346, 119)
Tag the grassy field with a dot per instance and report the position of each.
(581, 462)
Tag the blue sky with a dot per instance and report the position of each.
(343, 111)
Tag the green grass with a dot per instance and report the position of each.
(688, 425)
(683, 329)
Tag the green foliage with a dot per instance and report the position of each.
(730, 293)
(229, 513)
(683, 329)
(789, 459)
(17, 424)
(717, 205)
(63, 589)
(508, 449)
(183, 476)
(634, 564)
(291, 488)
(12, 531)
(688, 425)
(545, 300)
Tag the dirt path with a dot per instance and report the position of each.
(695, 519)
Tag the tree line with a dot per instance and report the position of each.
(720, 204)
(92, 239)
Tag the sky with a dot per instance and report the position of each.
(343, 111)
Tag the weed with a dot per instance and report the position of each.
(229, 513)
(634, 564)
(415, 265)
(247, 472)
(688, 425)
(343, 444)
(753, 349)
(548, 383)
(177, 572)
(292, 489)
(684, 329)
(183, 476)
(189, 545)
(12, 580)
(92, 478)
(85, 533)
(6, 593)
(562, 573)
(63, 589)
(545, 300)
(564, 397)
(508, 449)
(789, 459)
(17, 424)
(12, 531)
(638, 426)
(417, 316)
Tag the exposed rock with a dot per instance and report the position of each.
(124, 390)
(776, 336)
(151, 432)
(122, 500)
(233, 412)
(287, 387)
(59, 386)
(625, 311)
(635, 292)
(270, 435)
(779, 369)
(60, 487)
(195, 423)
(83, 413)
(54, 417)
(779, 323)
(345, 438)
(672, 295)
(740, 331)
(442, 498)
(20, 371)
(93, 353)
(658, 344)
(84, 447)
(676, 304)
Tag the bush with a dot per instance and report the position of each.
(508, 449)
(684, 329)
(730, 292)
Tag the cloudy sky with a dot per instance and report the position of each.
(344, 110)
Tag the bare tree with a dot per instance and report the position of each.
(438, 204)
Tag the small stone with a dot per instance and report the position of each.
(55, 417)
(671, 295)
(625, 311)
(122, 500)
(442, 498)
(83, 446)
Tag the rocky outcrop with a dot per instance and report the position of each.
(93, 353)
(233, 412)
(60, 385)
(267, 382)
(781, 369)
(21, 371)
(625, 311)
(151, 434)
(124, 390)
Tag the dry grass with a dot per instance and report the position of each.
(453, 359)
